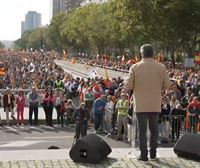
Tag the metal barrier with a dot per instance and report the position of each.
(171, 128)
(24, 90)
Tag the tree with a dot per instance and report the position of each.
(2, 45)
(37, 39)
(172, 23)
(23, 42)
(54, 39)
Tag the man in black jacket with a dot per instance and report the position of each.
(81, 116)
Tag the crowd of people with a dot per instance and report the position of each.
(105, 106)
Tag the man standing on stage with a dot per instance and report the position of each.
(147, 79)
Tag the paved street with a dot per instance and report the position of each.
(42, 137)
(84, 71)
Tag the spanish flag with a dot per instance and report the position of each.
(197, 58)
(106, 78)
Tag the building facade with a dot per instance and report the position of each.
(71, 4)
(32, 21)
(57, 6)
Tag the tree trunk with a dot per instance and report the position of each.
(172, 56)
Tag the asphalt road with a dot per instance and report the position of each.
(85, 71)
(42, 137)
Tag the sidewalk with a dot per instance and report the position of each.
(119, 158)
(41, 115)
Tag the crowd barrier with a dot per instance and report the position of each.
(171, 128)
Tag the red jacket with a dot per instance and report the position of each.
(193, 105)
(20, 102)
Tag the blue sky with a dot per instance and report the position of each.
(12, 12)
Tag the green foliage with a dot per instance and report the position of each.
(54, 39)
(110, 28)
(35, 39)
(2, 45)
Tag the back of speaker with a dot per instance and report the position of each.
(188, 146)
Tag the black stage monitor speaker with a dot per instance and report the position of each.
(188, 146)
(90, 149)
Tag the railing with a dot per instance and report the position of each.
(171, 128)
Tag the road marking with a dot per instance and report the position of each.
(11, 128)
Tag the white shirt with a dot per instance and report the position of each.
(109, 107)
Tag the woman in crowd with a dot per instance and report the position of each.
(108, 114)
(193, 114)
(48, 105)
(176, 120)
(164, 120)
(20, 103)
(60, 107)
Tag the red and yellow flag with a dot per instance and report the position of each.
(197, 58)
(106, 78)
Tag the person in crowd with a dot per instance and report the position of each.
(147, 79)
(49, 82)
(176, 118)
(113, 86)
(185, 99)
(69, 88)
(176, 92)
(1, 105)
(96, 90)
(81, 117)
(33, 102)
(48, 105)
(108, 114)
(20, 104)
(182, 87)
(193, 114)
(98, 113)
(122, 107)
(60, 107)
(58, 84)
(9, 104)
(89, 99)
(196, 88)
(164, 119)
(69, 110)
(115, 98)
